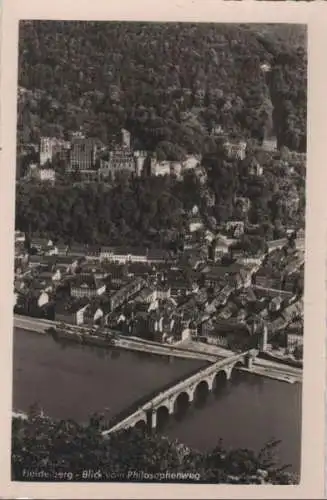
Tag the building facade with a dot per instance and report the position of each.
(83, 154)
(50, 147)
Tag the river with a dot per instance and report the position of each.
(73, 381)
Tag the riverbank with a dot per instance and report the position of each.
(270, 373)
(185, 350)
(132, 344)
(71, 381)
(270, 368)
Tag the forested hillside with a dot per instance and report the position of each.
(165, 82)
(172, 86)
(156, 210)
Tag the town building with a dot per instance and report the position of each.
(41, 244)
(263, 342)
(276, 244)
(160, 168)
(269, 144)
(125, 293)
(42, 174)
(61, 249)
(122, 159)
(235, 228)
(86, 286)
(123, 255)
(83, 154)
(235, 150)
(255, 169)
(47, 175)
(93, 314)
(71, 312)
(265, 67)
(51, 147)
(219, 247)
(30, 301)
(196, 223)
(126, 138)
(119, 161)
(294, 339)
(19, 236)
(157, 256)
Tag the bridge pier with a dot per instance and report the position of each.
(171, 406)
(151, 419)
(178, 397)
(154, 420)
(210, 383)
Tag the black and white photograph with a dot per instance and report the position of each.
(159, 252)
(159, 249)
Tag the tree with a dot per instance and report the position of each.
(40, 443)
(175, 86)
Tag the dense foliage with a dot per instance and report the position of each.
(171, 84)
(157, 210)
(65, 446)
(127, 213)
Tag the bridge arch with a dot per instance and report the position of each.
(162, 417)
(140, 424)
(201, 392)
(181, 403)
(176, 399)
(241, 363)
(219, 380)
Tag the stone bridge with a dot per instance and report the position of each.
(172, 400)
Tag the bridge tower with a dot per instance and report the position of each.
(264, 339)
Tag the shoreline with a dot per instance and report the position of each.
(280, 377)
(124, 344)
(274, 371)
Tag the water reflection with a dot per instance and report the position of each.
(181, 406)
(163, 418)
(201, 394)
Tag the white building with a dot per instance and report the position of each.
(195, 225)
(19, 236)
(50, 146)
(265, 67)
(122, 256)
(191, 162)
(42, 299)
(47, 174)
(160, 168)
(126, 138)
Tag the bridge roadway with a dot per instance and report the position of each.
(169, 401)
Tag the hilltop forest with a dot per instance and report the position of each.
(173, 86)
(165, 82)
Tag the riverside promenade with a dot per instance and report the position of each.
(185, 350)
(122, 342)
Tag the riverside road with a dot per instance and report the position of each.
(185, 350)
